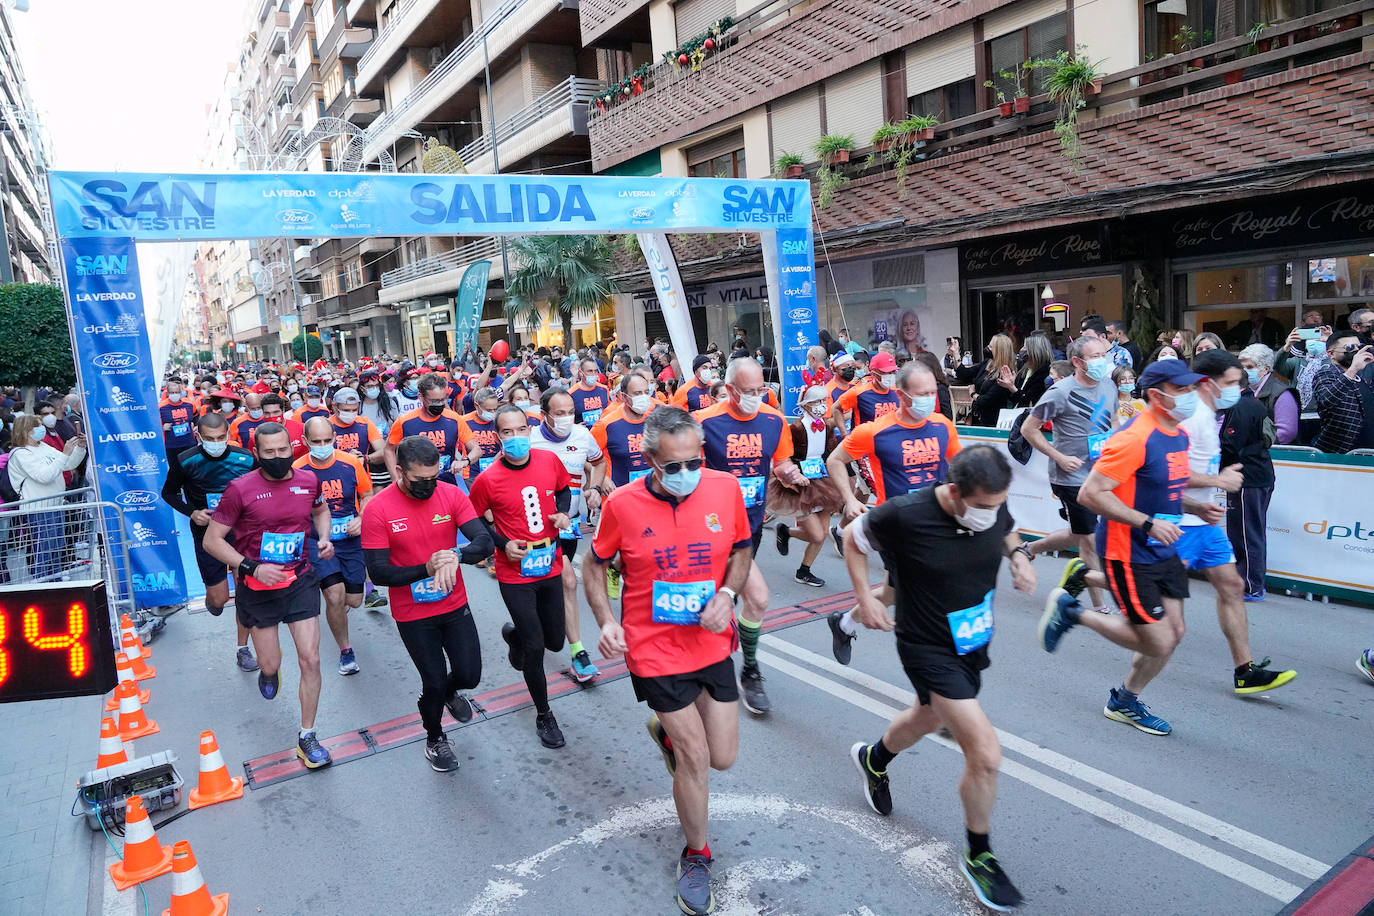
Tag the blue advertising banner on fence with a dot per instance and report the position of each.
(161, 207)
(472, 294)
(123, 426)
(790, 268)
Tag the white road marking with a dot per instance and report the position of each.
(733, 892)
(1290, 859)
(925, 862)
(1219, 862)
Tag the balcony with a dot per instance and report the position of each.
(307, 83)
(32, 235)
(502, 28)
(350, 107)
(391, 37)
(17, 170)
(298, 23)
(283, 72)
(597, 17)
(558, 113)
(439, 274)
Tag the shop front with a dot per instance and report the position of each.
(909, 299)
(429, 326)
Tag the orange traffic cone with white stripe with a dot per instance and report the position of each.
(132, 722)
(126, 625)
(216, 785)
(111, 747)
(144, 857)
(142, 670)
(125, 670)
(190, 896)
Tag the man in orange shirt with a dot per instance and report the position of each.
(875, 397)
(689, 396)
(621, 430)
(241, 429)
(433, 420)
(590, 397)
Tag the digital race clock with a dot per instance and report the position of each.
(55, 641)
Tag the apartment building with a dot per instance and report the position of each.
(24, 256)
(504, 83)
(1217, 177)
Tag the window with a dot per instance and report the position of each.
(730, 165)
(1007, 53)
(948, 103)
(719, 157)
(1178, 26)
(333, 82)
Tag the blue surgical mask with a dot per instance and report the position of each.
(372, 393)
(1253, 375)
(517, 448)
(1184, 406)
(1316, 348)
(1127, 387)
(412, 389)
(1098, 368)
(321, 452)
(296, 403)
(255, 414)
(922, 407)
(486, 416)
(215, 449)
(1227, 397)
(682, 483)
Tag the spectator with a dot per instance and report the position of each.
(1362, 323)
(1345, 401)
(1260, 328)
(1290, 362)
(831, 345)
(1033, 377)
(1120, 336)
(993, 381)
(1207, 341)
(1163, 351)
(1278, 397)
(1245, 440)
(1127, 403)
(850, 345)
(1060, 369)
(1182, 342)
(36, 471)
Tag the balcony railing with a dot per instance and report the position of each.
(463, 255)
(298, 23)
(573, 92)
(326, 45)
(306, 82)
(399, 15)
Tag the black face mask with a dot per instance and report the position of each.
(847, 374)
(422, 489)
(277, 468)
(434, 409)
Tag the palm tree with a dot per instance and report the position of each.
(566, 275)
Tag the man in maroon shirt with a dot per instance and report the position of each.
(270, 511)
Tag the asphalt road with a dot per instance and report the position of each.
(1237, 811)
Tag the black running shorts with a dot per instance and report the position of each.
(671, 692)
(1139, 588)
(263, 608)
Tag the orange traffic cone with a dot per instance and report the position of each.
(216, 785)
(190, 896)
(125, 670)
(142, 670)
(144, 857)
(111, 748)
(126, 625)
(132, 722)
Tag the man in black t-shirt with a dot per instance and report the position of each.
(942, 547)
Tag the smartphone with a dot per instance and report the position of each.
(1309, 333)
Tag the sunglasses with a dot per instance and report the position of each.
(677, 467)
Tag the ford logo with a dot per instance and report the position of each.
(296, 217)
(642, 213)
(136, 498)
(114, 361)
(800, 314)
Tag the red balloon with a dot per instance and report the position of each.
(500, 351)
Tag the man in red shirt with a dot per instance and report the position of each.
(683, 538)
(274, 411)
(526, 496)
(409, 533)
(270, 511)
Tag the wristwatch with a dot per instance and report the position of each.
(734, 595)
(1146, 525)
(247, 567)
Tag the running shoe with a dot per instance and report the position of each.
(806, 578)
(783, 540)
(375, 600)
(214, 609)
(1257, 596)
(439, 753)
(313, 754)
(751, 690)
(694, 895)
(1365, 663)
(513, 654)
(1075, 577)
(875, 784)
(1061, 616)
(612, 583)
(1135, 714)
(347, 663)
(246, 660)
(268, 685)
(1257, 679)
(660, 736)
(841, 643)
(546, 727)
(990, 884)
(839, 539)
(459, 707)
(583, 669)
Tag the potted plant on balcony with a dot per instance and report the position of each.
(1069, 80)
(896, 143)
(1004, 107)
(788, 165)
(834, 149)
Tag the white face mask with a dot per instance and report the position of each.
(975, 519)
(312, 402)
(174, 397)
(707, 376)
(50, 420)
(347, 416)
(523, 405)
(561, 426)
(749, 404)
(640, 403)
(816, 409)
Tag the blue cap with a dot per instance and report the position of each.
(1173, 371)
(313, 390)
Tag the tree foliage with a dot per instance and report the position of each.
(35, 347)
(558, 275)
(306, 348)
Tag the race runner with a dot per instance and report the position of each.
(346, 487)
(590, 397)
(586, 465)
(525, 497)
(409, 533)
(433, 420)
(684, 540)
(270, 511)
(942, 547)
(196, 480)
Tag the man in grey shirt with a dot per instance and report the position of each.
(1082, 409)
